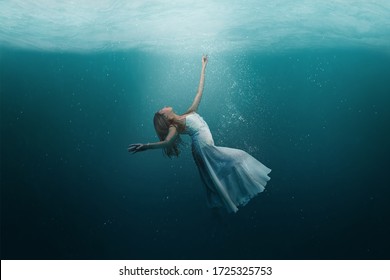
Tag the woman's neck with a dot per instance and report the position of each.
(178, 120)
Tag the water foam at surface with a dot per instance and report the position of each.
(193, 26)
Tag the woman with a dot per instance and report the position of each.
(231, 176)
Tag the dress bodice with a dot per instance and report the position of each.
(198, 129)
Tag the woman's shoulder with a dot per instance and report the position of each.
(193, 113)
(184, 120)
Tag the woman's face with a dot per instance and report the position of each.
(166, 110)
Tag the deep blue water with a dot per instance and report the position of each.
(70, 190)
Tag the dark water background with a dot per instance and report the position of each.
(69, 189)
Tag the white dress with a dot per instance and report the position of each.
(231, 176)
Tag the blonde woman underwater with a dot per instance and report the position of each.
(231, 177)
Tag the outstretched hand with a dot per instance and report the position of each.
(135, 148)
(205, 59)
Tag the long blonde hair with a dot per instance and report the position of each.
(161, 125)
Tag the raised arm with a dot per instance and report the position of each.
(172, 134)
(198, 97)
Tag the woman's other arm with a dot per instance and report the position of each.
(172, 134)
(198, 97)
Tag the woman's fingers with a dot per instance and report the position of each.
(204, 59)
(133, 148)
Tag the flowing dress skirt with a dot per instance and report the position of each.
(231, 176)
